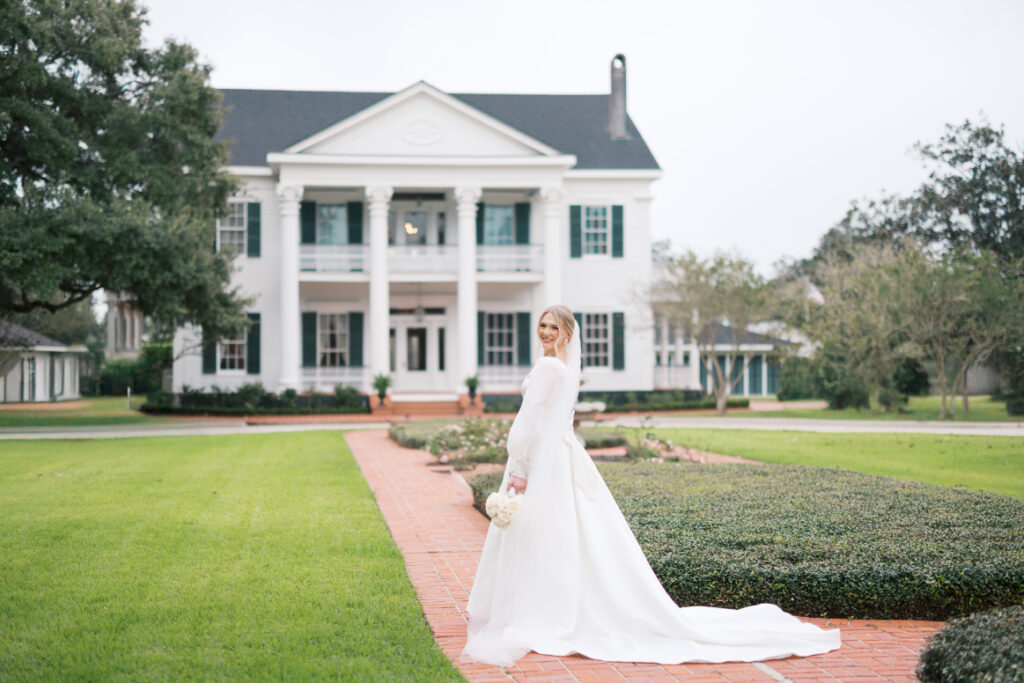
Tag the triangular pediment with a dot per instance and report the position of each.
(422, 121)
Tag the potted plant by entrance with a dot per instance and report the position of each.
(472, 383)
(381, 383)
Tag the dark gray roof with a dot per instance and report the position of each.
(262, 121)
(14, 336)
(724, 335)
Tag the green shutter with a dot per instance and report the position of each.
(481, 318)
(480, 223)
(253, 241)
(523, 338)
(355, 222)
(307, 218)
(773, 378)
(209, 358)
(618, 341)
(523, 223)
(755, 371)
(355, 339)
(617, 231)
(52, 373)
(737, 371)
(309, 339)
(579, 323)
(704, 374)
(575, 231)
(252, 346)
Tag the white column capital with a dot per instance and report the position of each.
(467, 196)
(552, 197)
(378, 197)
(289, 197)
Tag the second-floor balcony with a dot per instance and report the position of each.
(354, 258)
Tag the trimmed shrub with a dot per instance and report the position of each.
(910, 378)
(987, 646)
(819, 542)
(600, 437)
(624, 401)
(253, 399)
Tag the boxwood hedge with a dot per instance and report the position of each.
(987, 646)
(817, 541)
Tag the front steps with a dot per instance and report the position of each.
(425, 405)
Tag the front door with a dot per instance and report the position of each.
(418, 354)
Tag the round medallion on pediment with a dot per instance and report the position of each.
(421, 133)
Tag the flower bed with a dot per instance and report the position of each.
(987, 646)
(817, 541)
(470, 439)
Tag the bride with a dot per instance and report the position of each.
(568, 576)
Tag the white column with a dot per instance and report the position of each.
(466, 199)
(289, 199)
(695, 361)
(764, 374)
(111, 324)
(379, 201)
(554, 237)
(138, 329)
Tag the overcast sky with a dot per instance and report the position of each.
(767, 117)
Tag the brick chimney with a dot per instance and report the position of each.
(617, 100)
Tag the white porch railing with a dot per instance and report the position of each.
(429, 258)
(332, 258)
(511, 258)
(501, 377)
(324, 379)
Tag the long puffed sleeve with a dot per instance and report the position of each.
(530, 421)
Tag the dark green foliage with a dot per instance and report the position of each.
(143, 374)
(839, 381)
(910, 378)
(819, 542)
(349, 396)
(109, 174)
(253, 399)
(1015, 405)
(624, 401)
(987, 646)
(797, 379)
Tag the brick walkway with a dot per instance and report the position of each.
(432, 519)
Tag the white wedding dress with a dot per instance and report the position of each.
(568, 576)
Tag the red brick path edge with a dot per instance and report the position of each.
(440, 534)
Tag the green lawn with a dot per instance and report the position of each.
(105, 410)
(982, 409)
(984, 463)
(202, 558)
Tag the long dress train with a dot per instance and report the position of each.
(568, 575)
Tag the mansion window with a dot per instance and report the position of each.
(596, 340)
(232, 354)
(499, 225)
(499, 339)
(333, 346)
(331, 224)
(595, 230)
(231, 228)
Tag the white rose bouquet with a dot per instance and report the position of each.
(501, 508)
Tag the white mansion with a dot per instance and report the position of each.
(420, 234)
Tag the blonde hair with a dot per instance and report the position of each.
(563, 316)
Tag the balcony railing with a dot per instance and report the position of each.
(325, 378)
(422, 258)
(511, 258)
(332, 258)
(432, 258)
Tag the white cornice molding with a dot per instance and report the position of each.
(423, 87)
(614, 174)
(278, 158)
(251, 171)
